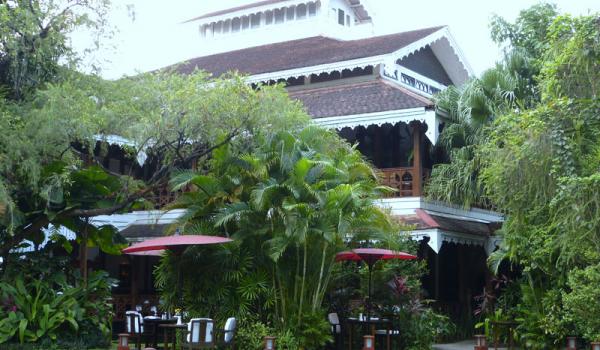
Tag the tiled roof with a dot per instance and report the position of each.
(358, 98)
(237, 8)
(301, 53)
(423, 220)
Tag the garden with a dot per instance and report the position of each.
(290, 197)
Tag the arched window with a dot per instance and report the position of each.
(301, 11)
(236, 24)
(269, 17)
(312, 9)
(289, 13)
(255, 20)
(218, 27)
(226, 26)
(279, 15)
(245, 22)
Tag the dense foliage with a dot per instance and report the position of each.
(290, 204)
(534, 157)
(44, 302)
(34, 40)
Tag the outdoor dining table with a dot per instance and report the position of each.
(371, 323)
(152, 323)
(171, 329)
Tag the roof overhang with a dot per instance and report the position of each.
(423, 115)
(243, 11)
(446, 50)
(441, 41)
(361, 10)
(437, 237)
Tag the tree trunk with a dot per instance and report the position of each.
(303, 280)
(317, 291)
(83, 254)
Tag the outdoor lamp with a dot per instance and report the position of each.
(571, 343)
(368, 342)
(269, 343)
(480, 342)
(123, 341)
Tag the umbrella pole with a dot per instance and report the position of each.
(369, 297)
(179, 283)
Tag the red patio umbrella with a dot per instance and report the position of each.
(176, 243)
(370, 256)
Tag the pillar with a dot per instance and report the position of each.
(417, 164)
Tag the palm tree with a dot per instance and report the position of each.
(293, 202)
(471, 109)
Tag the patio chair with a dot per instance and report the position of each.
(134, 323)
(200, 334)
(336, 330)
(226, 336)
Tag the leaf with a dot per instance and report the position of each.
(22, 326)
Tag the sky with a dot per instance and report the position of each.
(149, 33)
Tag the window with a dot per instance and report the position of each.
(235, 25)
(341, 17)
(255, 20)
(218, 27)
(301, 11)
(245, 22)
(226, 26)
(203, 31)
(279, 14)
(269, 17)
(348, 20)
(289, 12)
(312, 9)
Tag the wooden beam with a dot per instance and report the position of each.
(417, 161)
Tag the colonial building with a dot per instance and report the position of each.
(376, 91)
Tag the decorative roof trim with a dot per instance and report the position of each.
(408, 205)
(443, 33)
(420, 114)
(438, 236)
(386, 59)
(244, 10)
(318, 69)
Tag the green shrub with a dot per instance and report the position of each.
(51, 310)
(251, 335)
(582, 302)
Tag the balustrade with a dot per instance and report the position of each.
(402, 179)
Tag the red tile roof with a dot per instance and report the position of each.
(423, 220)
(237, 8)
(301, 53)
(364, 97)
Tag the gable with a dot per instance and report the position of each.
(426, 63)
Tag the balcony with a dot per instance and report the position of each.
(163, 196)
(403, 180)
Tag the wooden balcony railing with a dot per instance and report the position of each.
(163, 196)
(402, 179)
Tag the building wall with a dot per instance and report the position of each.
(324, 23)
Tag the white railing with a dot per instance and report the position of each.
(411, 79)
